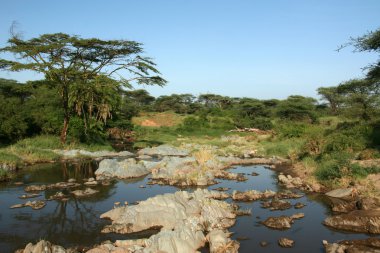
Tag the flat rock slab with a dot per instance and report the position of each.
(340, 193)
(79, 152)
(363, 221)
(163, 150)
(370, 245)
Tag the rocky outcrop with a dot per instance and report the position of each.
(363, 221)
(370, 245)
(184, 220)
(289, 181)
(282, 222)
(342, 193)
(128, 168)
(163, 150)
(252, 195)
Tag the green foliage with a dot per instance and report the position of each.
(298, 108)
(289, 129)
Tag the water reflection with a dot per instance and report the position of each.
(76, 222)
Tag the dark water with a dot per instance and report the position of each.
(77, 223)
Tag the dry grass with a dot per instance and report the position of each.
(154, 119)
(203, 155)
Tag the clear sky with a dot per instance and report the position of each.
(262, 49)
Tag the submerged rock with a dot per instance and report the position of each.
(222, 174)
(299, 205)
(370, 245)
(363, 221)
(184, 219)
(289, 181)
(128, 168)
(282, 222)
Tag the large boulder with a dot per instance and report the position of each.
(128, 168)
(163, 150)
(342, 193)
(44, 247)
(184, 218)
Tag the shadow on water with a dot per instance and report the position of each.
(76, 222)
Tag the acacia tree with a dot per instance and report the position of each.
(76, 64)
(331, 95)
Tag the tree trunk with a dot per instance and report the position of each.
(64, 130)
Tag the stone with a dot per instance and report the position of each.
(163, 150)
(341, 193)
(299, 205)
(263, 243)
(282, 222)
(184, 219)
(362, 221)
(369, 245)
(31, 188)
(285, 242)
(36, 205)
(28, 196)
(276, 204)
(84, 193)
(128, 168)
(252, 195)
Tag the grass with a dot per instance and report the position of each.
(40, 149)
(158, 119)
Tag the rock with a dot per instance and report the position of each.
(290, 182)
(342, 205)
(84, 193)
(91, 183)
(252, 195)
(44, 247)
(276, 204)
(345, 193)
(37, 204)
(142, 186)
(63, 185)
(282, 222)
(144, 157)
(181, 171)
(128, 168)
(71, 180)
(285, 242)
(370, 245)
(221, 174)
(222, 189)
(220, 242)
(28, 196)
(299, 205)
(288, 195)
(18, 183)
(363, 221)
(59, 196)
(184, 217)
(263, 243)
(163, 150)
(34, 188)
(78, 153)
(255, 174)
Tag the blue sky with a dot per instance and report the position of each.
(263, 49)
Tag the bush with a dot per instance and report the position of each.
(291, 130)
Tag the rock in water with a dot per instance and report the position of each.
(183, 218)
(363, 221)
(370, 245)
(282, 222)
(84, 193)
(128, 168)
(285, 242)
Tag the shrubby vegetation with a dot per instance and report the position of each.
(325, 135)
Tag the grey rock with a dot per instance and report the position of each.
(163, 150)
(128, 168)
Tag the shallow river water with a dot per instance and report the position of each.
(77, 223)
